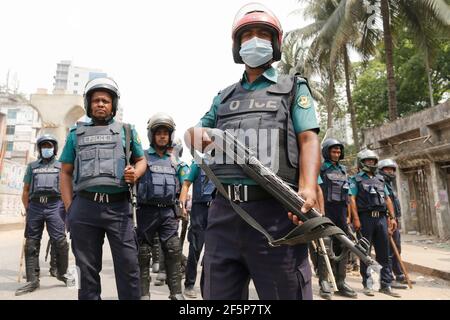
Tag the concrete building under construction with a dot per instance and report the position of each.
(420, 144)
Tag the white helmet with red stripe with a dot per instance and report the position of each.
(251, 15)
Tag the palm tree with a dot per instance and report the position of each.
(427, 21)
(336, 26)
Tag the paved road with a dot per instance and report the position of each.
(10, 242)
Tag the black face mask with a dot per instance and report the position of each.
(388, 177)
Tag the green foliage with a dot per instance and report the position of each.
(370, 91)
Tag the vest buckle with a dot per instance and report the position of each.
(236, 195)
(102, 197)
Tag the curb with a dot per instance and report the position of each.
(411, 267)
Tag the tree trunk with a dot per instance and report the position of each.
(330, 100)
(388, 45)
(351, 106)
(427, 70)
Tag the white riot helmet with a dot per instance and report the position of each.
(364, 155)
(160, 119)
(101, 84)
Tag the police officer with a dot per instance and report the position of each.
(176, 151)
(97, 202)
(157, 195)
(42, 199)
(202, 195)
(335, 190)
(372, 213)
(274, 104)
(387, 168)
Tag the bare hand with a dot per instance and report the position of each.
(130, 174)
(356, 224)
(184, 214)
(310, 197)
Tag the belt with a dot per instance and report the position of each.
(45, 199)
(159, 205)
(375, 214)
(245, 193)
(103, 197)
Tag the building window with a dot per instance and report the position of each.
(76, 75)
(10, 146)
(75, 92)
(12, 114)
(75, 83)
(10, 129)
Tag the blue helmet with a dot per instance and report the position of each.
(327, 144)
(47, 138)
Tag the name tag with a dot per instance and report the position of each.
(97, 139)
(46, 170)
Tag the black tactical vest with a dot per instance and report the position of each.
(394, 198)
(159, 184)
(263, 118)
(203, 189)
(100, 157)
(45, 179)
(371, 195)
(335, 184)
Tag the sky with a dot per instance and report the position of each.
(171, 56)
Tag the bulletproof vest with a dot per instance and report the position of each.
(264, 118)
(100, 156)
(159, 183)
(203, 188)
(335, 184)
(371, 195)
(45, 179)
(394, 198)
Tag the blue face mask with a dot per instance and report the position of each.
(256, 52)
(47, 153)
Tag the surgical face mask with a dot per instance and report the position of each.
(256, 52)
(47, 153)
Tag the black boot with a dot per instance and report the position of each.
(144, 266)
(325, 290)
(161, 276)
(156, 249)
(31, 267)
(341, 272)
(62, 259)
(53, 264)
(172, 252)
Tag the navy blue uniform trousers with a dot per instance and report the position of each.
(51, 214)
(236, 253)
(89, 221)
(196, 238)
(152, 219)
(375, 230)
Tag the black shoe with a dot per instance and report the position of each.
(345, 291)
(53, 272)
(404, 281)
(177, 296)
(368, 292)
(398, 285)
(325, 290)
(388, 290)
(190, 292)
(29, 287)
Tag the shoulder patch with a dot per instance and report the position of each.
(304, 101)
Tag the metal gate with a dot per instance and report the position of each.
(420, 197)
